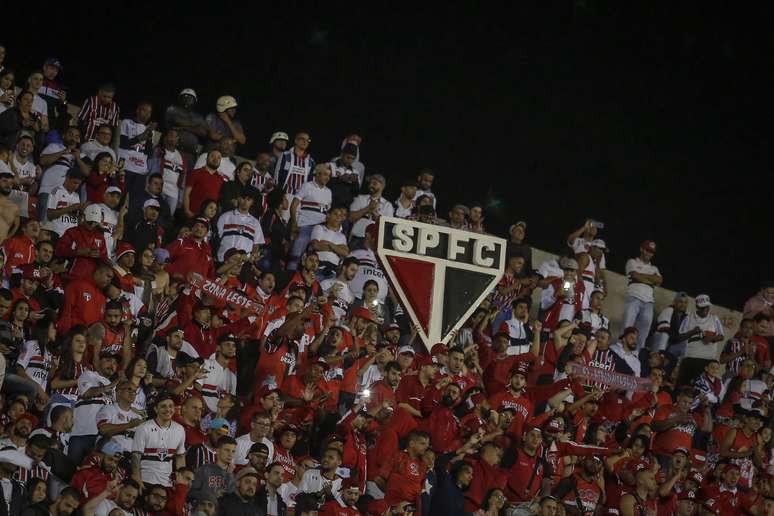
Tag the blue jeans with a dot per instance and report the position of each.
(639, 314)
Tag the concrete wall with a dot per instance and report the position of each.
(614, 302)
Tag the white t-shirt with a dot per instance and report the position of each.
(313, 482)
(24, 170)
(158, 447)
(39, 106)
(314, 203)
(641, 291)
(115, 415)
(238, 230)
(61, 198)
(344, 299)
(710, 326)
(55, 174)
(402, 212)
(109, 224)
(581, 245)
(36, 362)
(368, 269)
(92, 148)
(321, 232)
(226, 168)
(171, 168)
(218, 380)
(360, 202)
(86, 410)
(136, 160)
(370, 376)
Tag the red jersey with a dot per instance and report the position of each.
(193, 433)
(187, 255)
(204, 185)
(525, 476)
(90, 482)
(727, 502)
(83, 304)
(18, 251)
(485, 477)
(405, 478)
(679, 436)
(334, 508)
(355, 456)
(285, 458)
(588, 494)
(81, 237)
(411, 392)
(277, 362)
(200, 338)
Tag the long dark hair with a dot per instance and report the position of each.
(99, 157)
(39, 333)
(66, 368)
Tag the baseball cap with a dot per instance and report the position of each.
(259, 448)
(151, 203)
(681, 295)
(124, 248)
(648, 245)
(687, 495)
(279, 135)
(54, 61)
(424, 360)
(219, 424)
(568, 264)
(175, 329)
(30, 272)
(390, 327)
(439, 349)
(161, 255)
(249, 471)
(113, 189)
(227, 337)
(703, 301)
(521, 368)
(518, 223)
(553, 426)
(406, 349)
(111, 448)
(201, 220)
(599, 243)
(29, 417)
(188, 91)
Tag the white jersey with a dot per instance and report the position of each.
(61, 198)
(314, 203)
(158, 447)
(581, 245)
(92, 148)
(361, 201)
(663, 326)
(24, 170)
(244, 443)
(370, 376)
(402, 212)
(55, 174)
(109, 224)
(709, 326)
(520, 339)
(36, 361)
(85, 411)
(238, 230)
(368, 269)
(135, 159)
(226, 168)
(596, 320)
(115, 415)
(341, 171)
(428, 193)
(322, 233)
(39, 106)
(288, 491)
(218, 381)
(343, 300)
(170, 168)
(638, 290)
(313, 482)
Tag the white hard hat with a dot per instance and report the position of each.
(225, 102)
(188, 91)
(92, 213)
(279, 135)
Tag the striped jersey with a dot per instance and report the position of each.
(36, 361)
(157, 447)
(71, 393)
(368, 269)
(93, 114)
(238, 230)
(293, 170)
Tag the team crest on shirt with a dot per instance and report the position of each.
(413, 469)
(163, 455)
(440, 274)
(87, 296)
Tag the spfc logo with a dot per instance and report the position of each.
(440, 274)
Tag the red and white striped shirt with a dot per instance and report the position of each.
(93, 114)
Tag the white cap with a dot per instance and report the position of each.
(113, 189)
(599, 243)
(225, 102)
(188, 91)
(406, 349)
(279, 135)
(151, 203)
(92, 213)
(703, 301)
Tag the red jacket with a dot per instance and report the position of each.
(485, 476)
(18, 250)
(83, 304)
(97, 183)
(334, 508)
(201, 338)
(186, 255)
(90, 482)
(81, 237)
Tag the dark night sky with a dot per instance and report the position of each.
(650, 118)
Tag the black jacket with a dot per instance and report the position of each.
(232, 505)
(17, 500)
(261, 500)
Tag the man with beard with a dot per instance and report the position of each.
(242, 501)
(294, 167)
(125, 499)
(346, 503)
(581, 492)
(220, 379)
(161, 359)
(189, 125)
(20, 431)
(384, 389)
(56, 159)
(367, 208)
(337, 289)
(155, 499)
(64, 505)
(454, 477)
(262, 177)
(425, 182)
(345, 180)
(91, 481)
(84, 244)
(279, 144)
(202, 184)
(442, 425)
(324, 481)
(626, 350)
(402, 476)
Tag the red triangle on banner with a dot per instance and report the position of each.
(416, 279)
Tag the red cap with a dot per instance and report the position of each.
(729, 466)
(29, 417)
(687, 495)
(553, 426)
(637, 465)
(424, 360)
(350, 483)
(648, 245)
(521, 368)
(696, 476)
(439, 349)
(363, 313)
(123, 248)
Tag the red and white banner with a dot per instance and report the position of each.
(611, 379)
(225, 294)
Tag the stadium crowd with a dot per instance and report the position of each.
(130, 389)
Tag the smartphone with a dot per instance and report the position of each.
(121, 162)
(566, 285)
(597, 224)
